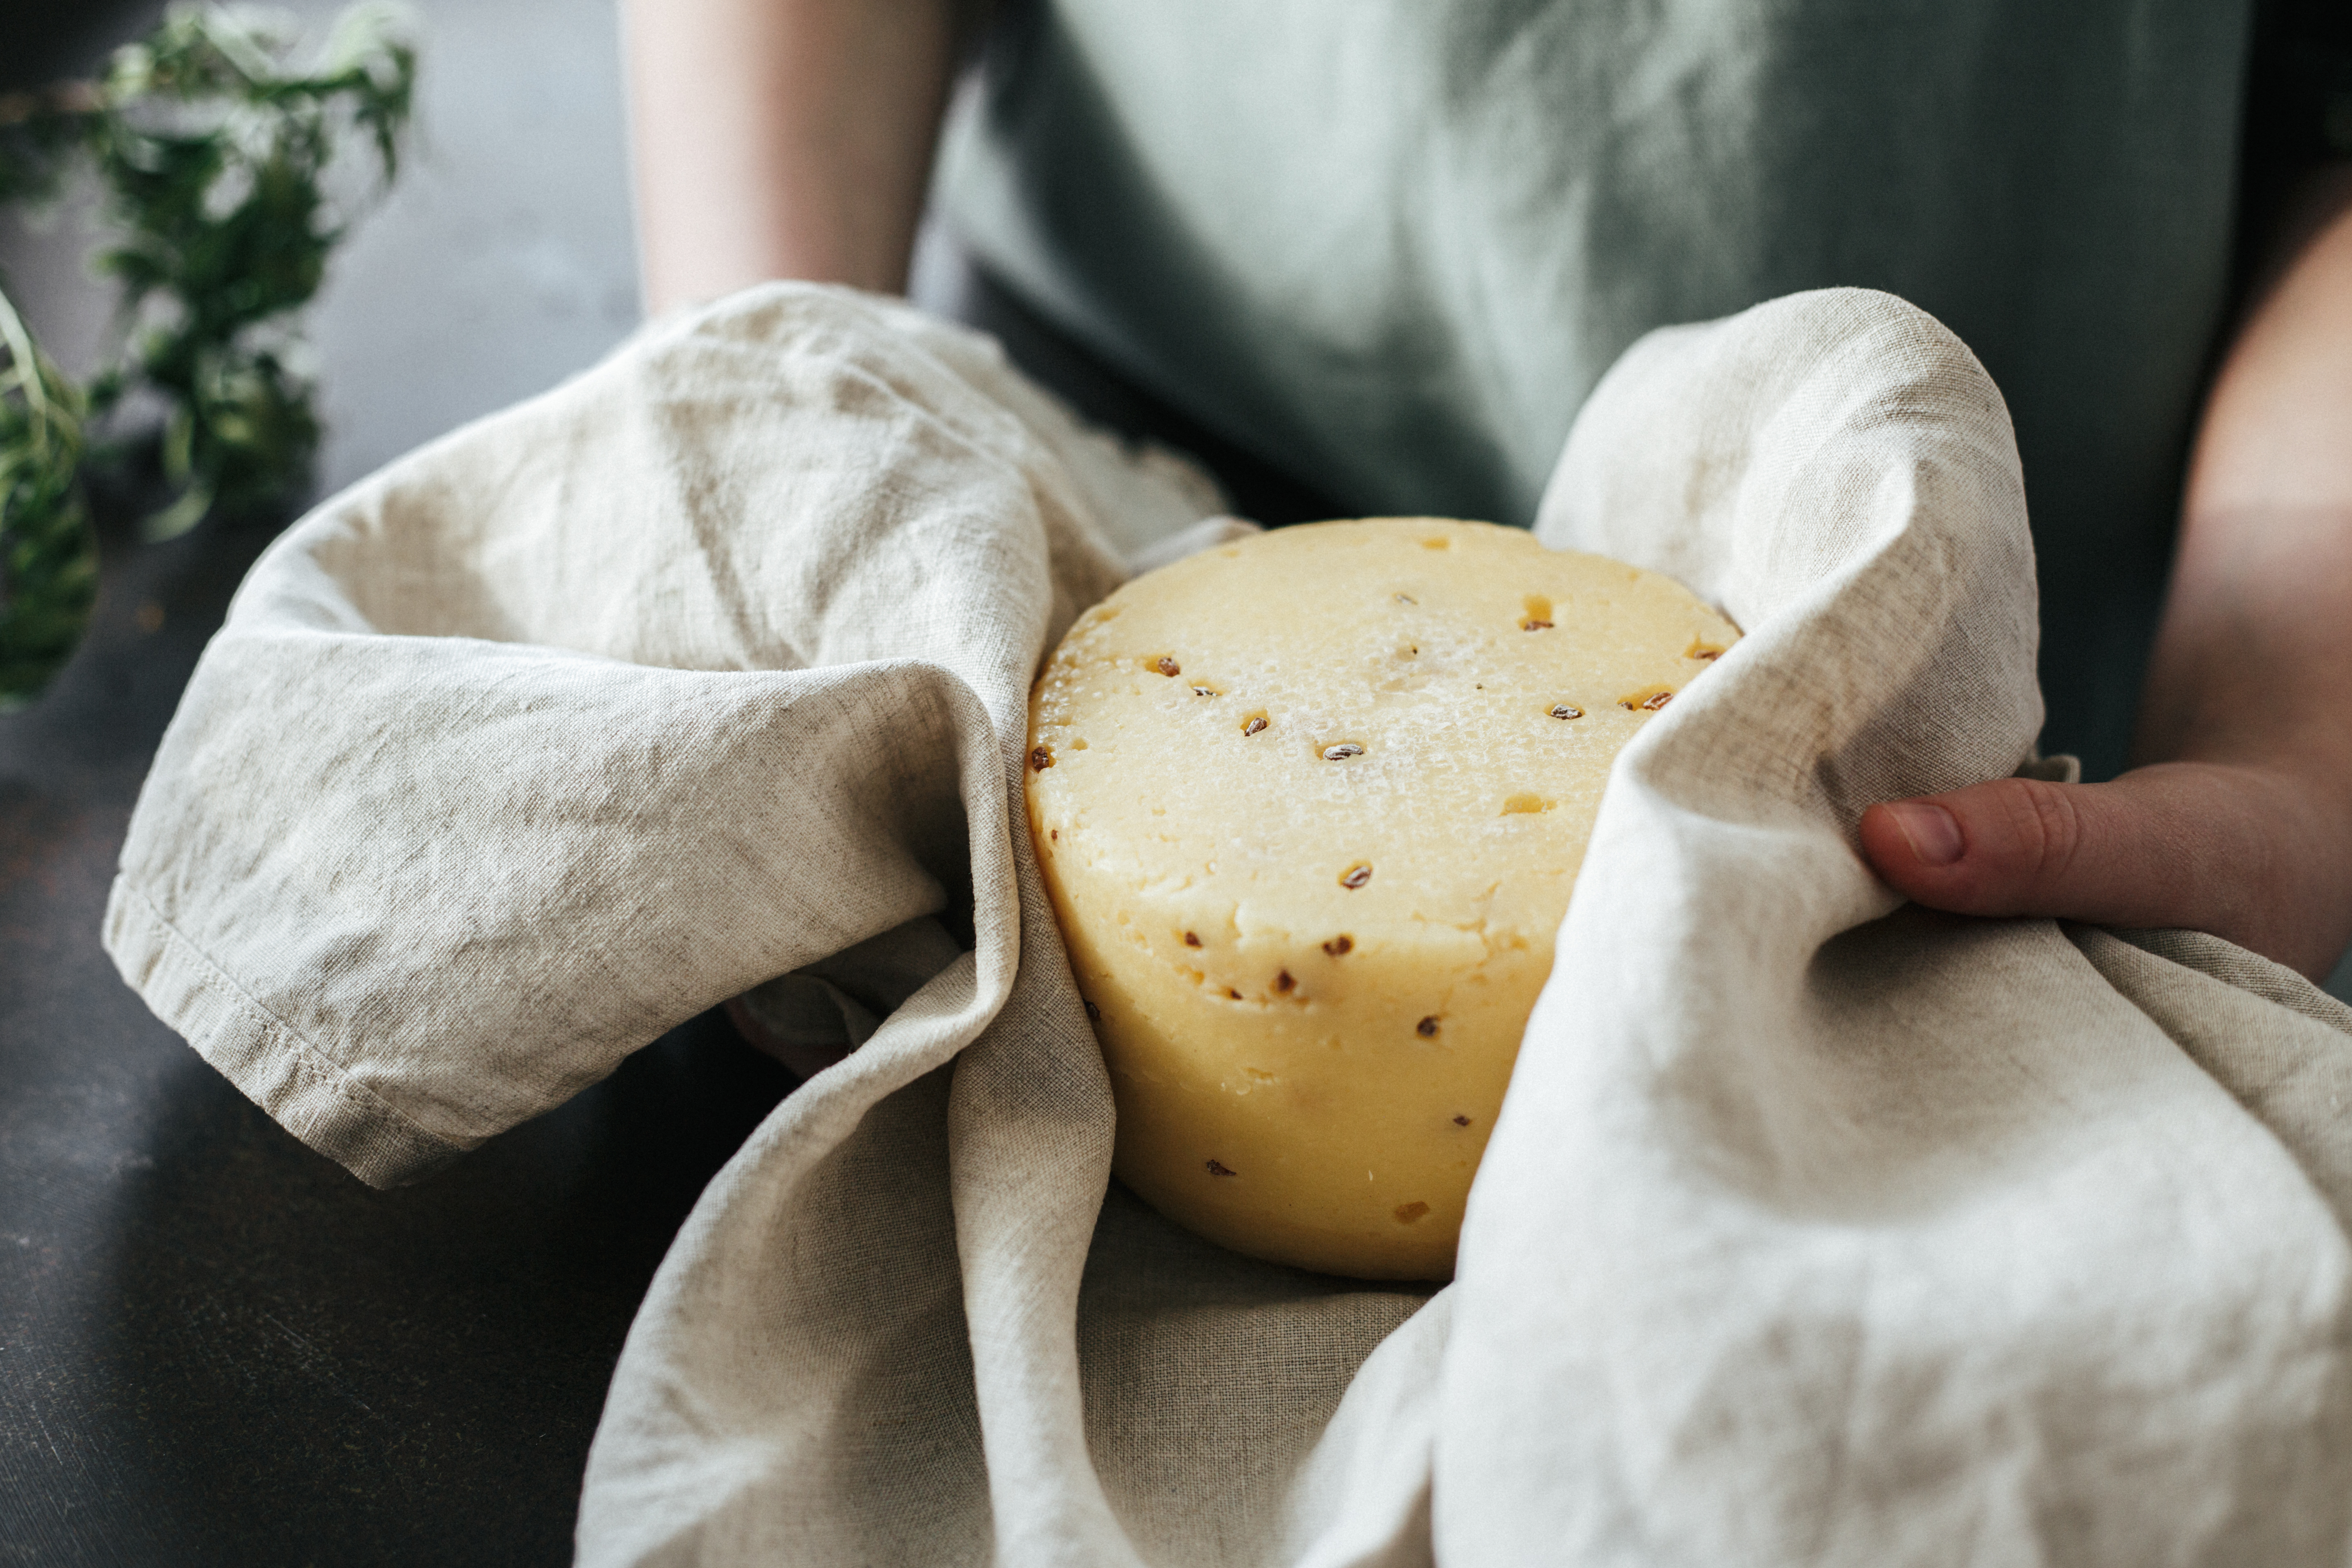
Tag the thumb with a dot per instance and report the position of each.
(2162, 847)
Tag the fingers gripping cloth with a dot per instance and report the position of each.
(1812, 1229)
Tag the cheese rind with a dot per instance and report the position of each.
(1309, 806)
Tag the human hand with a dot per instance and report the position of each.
(2256, 854)
(2241, 825)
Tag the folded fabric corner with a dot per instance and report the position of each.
(270, 1064)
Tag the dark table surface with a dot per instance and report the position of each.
(217, 1346)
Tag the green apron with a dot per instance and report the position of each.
(1389, 245)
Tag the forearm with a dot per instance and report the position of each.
(2251, 669)
(781, 138)
(2250, 661)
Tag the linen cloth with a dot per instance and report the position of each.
(1812, 1229)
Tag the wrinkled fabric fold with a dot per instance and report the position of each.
(1813, 1229)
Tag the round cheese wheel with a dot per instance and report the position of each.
(1309, 806)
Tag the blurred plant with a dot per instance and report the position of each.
(212, 147)
(48, 556)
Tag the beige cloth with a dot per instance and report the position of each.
(1812, 1230)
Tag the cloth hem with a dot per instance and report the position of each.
(270, 1063)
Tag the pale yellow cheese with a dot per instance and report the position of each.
(1309, 806)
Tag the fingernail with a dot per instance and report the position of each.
(1933, 833)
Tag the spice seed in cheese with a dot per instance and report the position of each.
(1309, 806)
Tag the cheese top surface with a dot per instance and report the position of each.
(1309, 806)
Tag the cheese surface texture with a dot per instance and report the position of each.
(1310, 807)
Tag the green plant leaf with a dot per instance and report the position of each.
(48, 555)
(215, 147)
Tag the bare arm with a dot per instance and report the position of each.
(2239, 820)
(2251, 659)
(781, 138)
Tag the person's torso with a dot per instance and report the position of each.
(1389, 245)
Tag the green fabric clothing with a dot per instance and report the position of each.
(1391, 245)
